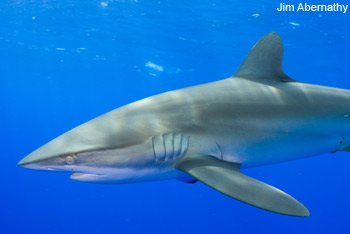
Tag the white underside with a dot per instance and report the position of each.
(127, 175)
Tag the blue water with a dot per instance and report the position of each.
(65, 62)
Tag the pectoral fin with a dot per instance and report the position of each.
(226, 178)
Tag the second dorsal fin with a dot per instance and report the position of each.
(264, 61)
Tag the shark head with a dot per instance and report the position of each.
(109, 149)
(117, 165)
(64, 150)
(100, 151)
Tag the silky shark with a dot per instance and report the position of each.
(209, 132)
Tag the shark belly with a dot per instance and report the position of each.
(128, 175)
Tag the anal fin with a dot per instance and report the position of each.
(226, 178)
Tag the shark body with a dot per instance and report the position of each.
(209, 132)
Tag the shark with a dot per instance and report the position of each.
(210, 133)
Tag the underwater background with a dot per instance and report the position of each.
(64, 62)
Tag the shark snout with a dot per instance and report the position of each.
(51, 164)
(29, 165)
(41, 162)
(26, 162)
(20, 163)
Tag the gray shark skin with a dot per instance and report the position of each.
(259, 116)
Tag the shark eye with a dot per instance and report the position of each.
(69, 160)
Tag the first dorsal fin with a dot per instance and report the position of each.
(264, 61)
